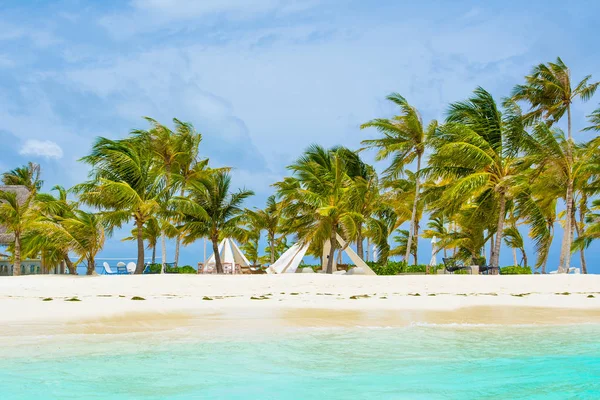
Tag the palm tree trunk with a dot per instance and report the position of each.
(72, 269)
(413, 217)
(163, 247)
(272, 246)
(368, 249)
(17, 254)
(139, 267)
(332, 240)
(491, 247)
(524, 257)
(580, 231)
(515, 261)
(177, 246)
(359, 243)
(495, 259)
(91, 266)
(564, 261)
(215, 245)
(154, 254)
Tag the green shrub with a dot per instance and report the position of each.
(186, 269)
(154, 268)
(515, 270)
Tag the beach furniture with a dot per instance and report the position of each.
(484, 268)
(232, 259)
(451, 265)
(107, 269)
(572, 270)
(131, 267)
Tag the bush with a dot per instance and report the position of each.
(186, 269)
(154, 268)
(515, 270)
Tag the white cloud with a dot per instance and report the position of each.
(42, 148)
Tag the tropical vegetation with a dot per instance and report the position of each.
(492, 173)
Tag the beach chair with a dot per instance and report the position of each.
(122, 270)
(486, 269)
(451, 265)
(107, 269)
(131, 267)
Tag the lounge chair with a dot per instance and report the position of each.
(484, 268)
(452, 265)
(108, 270)
(131, 267)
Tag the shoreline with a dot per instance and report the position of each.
(255, 303)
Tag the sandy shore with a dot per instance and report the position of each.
(104, 304)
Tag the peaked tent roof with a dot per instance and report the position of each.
(230, 254)
(290, 260)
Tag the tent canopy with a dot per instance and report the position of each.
(232, 259)
(291, 259)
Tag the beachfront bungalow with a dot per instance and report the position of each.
(28, 266)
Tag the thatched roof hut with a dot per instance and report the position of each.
(22, 193)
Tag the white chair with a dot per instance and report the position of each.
(107, 270)
(131, 267)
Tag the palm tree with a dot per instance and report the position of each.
(124, 185)
(212, 211)
(16, 216)
(594, 118)
(268, 219)
(27, 175)
(316, 199)
(549, 93)
(54, 209)
(438, 229)
(404, 139)
(475, 160)
(550, 152)
(151, 232)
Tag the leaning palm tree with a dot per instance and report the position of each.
(124, 185)
(17, 216)
(212, 211)
(83, 232)
(594, 118)
(404, 140)
(549, 93)
(317, 201)
(474, 159)
(27, 175)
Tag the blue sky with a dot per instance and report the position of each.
(262, 79)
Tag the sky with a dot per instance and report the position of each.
(263, 79)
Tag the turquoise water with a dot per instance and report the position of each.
(419, 362)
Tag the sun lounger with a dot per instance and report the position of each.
(452, 265)
(108, 270)
(486, 269)
(131, 267)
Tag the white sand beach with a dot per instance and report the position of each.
(39, 304)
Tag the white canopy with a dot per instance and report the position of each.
(291, 259)
(232, 259)
(434, 251)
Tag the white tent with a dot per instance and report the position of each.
(290, 260)
(232, 259)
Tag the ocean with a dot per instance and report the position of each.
(416, 362)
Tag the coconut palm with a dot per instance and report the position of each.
(268, 219)
(316, 199)
(475, 161)
(27, 175)
(404, 140)
(549, 93)
(125, 184)
(17, 216)
(212, 211)
(150, 232)
(54, 209)
(594, 118)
